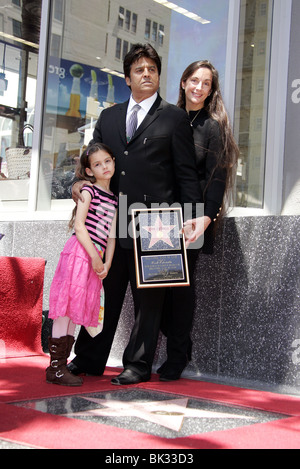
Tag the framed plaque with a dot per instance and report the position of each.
(159, 248)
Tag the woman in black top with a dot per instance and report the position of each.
(217, 154)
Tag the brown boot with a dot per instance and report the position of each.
(57, 372)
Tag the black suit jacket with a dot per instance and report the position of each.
(158, 164)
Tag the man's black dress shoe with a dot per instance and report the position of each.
(128, 377)
(171, 376)
(161, 368)
(170, 372)
(75, 370)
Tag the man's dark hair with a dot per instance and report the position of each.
(138, 51)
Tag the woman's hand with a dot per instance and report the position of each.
(194, 228)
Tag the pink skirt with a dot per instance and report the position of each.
(76, 289)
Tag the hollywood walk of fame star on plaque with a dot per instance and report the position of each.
(160, 253)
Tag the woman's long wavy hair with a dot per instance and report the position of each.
(83, 164)
(215, 107)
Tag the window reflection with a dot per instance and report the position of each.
(85, 69)
(252, 100)
(85, 75)
(19, 45)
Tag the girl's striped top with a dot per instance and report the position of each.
(100, 215)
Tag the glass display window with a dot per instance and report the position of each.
(19, 48)
(85, 69)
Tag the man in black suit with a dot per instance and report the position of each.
(156, 164)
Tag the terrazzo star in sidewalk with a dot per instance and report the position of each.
(168, 413)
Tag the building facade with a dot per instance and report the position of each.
(62, 64)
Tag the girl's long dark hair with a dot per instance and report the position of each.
(215, 107)
(83, 164)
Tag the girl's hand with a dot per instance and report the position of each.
(97, 264)
(103, 274)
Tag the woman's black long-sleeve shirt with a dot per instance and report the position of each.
(212, 176)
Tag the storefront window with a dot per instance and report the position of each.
(252, 94)
(84, 75)
(19, 47)
(85, 68)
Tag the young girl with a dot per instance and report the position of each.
(76, 294)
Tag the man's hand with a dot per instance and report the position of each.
(76, 188)
(194, 228)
